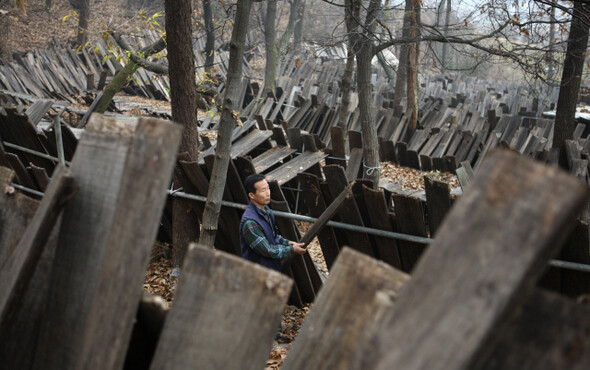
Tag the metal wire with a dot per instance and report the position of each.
(33, 152)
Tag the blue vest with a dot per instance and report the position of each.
(269, 231)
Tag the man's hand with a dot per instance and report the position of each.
(298, 247)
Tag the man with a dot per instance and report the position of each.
(260, 241)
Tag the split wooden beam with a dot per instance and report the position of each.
(106, 237)
(327, 215)
(355, 296)
(225, 315)
(473, 277)
(17, 270)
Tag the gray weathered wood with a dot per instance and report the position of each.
(225, 314)
(473, 277)
(357, 292)
(326, 215)
(550, 332)
(106, 237)
(18, 268)
(438, 202)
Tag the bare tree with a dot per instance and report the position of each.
(83, 14)
(573, 66)
(275, 48)
(210, 34)
(226, 124)
(183, 94)
(362, 43)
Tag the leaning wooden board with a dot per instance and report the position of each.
(473, 276)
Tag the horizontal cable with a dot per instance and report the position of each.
(33, 152)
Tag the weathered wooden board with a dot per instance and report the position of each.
(17, 270)
(549, 332)
(409, 219)
(438, 202)
(312, 195)
(472, 277)
(387, 249)
(207, 325)
(288, 171)
(105, 241)
(356, 294)
(271, 158)
(349, 212)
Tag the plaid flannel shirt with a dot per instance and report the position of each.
(255, 238)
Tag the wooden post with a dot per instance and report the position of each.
(225, 314)
(473, 277)
(105, 241)
(19, 267)
(357, 292)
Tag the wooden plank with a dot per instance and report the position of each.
(438, 202)
(304, 281)
(288, 171)
(349, 213)
(355, 163)
(387, 249)
(249, 143)
(550, 332)
(356, 294)
(409, 219)
(271, 158)
(17, 269)
(326, 215)
(312, 196)
(40, 176)
(470, 262)
(216, 292)
(123, 179)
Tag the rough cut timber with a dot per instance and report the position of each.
(225, 314)
(106, 236)
(17, 270)
(473, 276)
(550, 332)
(357, 292)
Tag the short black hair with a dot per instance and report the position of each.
(250, 182)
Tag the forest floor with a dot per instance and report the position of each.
(40, 28)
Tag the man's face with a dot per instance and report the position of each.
(262, 195)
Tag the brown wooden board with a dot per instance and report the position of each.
(105, 241)
(338, 147)
(312, 195)
(271, 158)
(549, 332)
(349, 213)
(17, 269)
(387, 249)
(289, 170)
(409, 219)
(306, 278)
(438, 202)
(472, 278)
(356, 294)
(225, 314)
(355, 164)
(576, 283)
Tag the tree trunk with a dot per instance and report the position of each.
(84, 11)
(183, 94)
(118, 81)
(364, 51)
(413, 69)
(573, 66)
(226, 124)
(210, 41)
(346, 90)
(401, 80)
(298, 31)
(124, 75)
(183, 87)
(295, 10)
(446, 33)
(270, 35)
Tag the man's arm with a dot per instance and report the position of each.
(254, 237)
